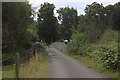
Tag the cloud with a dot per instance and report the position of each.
(83, 1)
(77, 4)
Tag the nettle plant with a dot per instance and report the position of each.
(110, 59)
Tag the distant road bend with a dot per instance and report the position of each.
(63, 66)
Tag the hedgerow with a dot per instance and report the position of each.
(106, 54)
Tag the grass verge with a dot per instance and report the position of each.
(8, 71)
(37, 68)
(92, 63)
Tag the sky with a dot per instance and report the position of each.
(77, 4)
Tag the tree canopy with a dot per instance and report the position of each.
(15, 19)
(47, 23)
(69, 20)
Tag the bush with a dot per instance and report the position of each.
(109, 35)
(40, 47)
(110, 58)
(79, 41)
(105, 53)
(7, 59)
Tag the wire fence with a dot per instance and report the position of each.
(18, 59)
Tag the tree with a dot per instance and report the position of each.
(47, 23)
(113, 16)
(15, 19)
(83, 23)
(32, 29)
(95, 15)
(68, 19)
(95, 12)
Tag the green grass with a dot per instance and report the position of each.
(0, 72)
(96, 66)
(35, 69)
(45, 46)
(8, 71)
(92, 63)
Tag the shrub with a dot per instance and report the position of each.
(110, 58)
(40, 47)
(106, 55)
(109, 36)
(77, 46)
(7, 59)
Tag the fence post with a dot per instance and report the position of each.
(17, 66)
(34, 51)
(28, 56)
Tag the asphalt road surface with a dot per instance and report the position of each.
(63, 66)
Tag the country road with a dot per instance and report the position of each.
(63, 66)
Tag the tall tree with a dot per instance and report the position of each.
(47, 23)
(15, 19)
(83, 23)
(95, 14)
(113, 16)
(68, 19)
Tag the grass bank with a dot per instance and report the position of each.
(8, 71)
(35, 69)
(92, 63)
(101, 54)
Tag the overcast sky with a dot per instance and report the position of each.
(77, 4)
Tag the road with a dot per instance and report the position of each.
(63, 66)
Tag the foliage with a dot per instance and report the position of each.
(110, 59)
(95, 11)
(36, 67)
(47, 23)
(8, 71)
(40, 47)
(68, 19)
(105, 17)
(32, 29)
(31, 70)
(8, 60)
(82, 26)
(109, 35)
(113, 16)
(15, 25)
(106, 55)
(79, 42)
(105, 52)
(16, 18)
(97, 19)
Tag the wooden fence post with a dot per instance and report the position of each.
(34, 51)
(28, 56)
(17, 66)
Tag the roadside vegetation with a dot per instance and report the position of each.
(102, 55)
(37, 67)
(96, 42)
(93, 37)
(19, 35)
